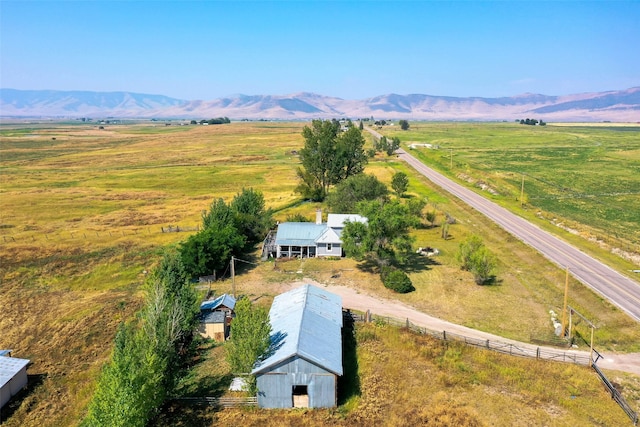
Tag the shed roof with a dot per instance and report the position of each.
(298, 233)
(338, 220)
(223, 300)
(9, 367)
(306, 322)
(213, 317)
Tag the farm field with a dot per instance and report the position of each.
(82, 216)
(579, 180)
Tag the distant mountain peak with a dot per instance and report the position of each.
(622, 105)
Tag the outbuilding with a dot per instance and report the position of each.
(306, 351)
(13, 376)
(216, 316)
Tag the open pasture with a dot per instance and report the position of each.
(584, 178)
(82, 218)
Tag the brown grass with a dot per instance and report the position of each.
(407, 379)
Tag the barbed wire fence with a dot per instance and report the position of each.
(33, 236)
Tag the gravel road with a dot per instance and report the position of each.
(356, 300)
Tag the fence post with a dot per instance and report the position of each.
(407, 323)
(538, 353)
(444, 335)
(488, 346)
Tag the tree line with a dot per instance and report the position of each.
(531, 122)
(149, 352)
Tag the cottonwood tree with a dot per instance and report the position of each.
(385, 237)
(249, 340)
(227, 230)
(404, 125)
(147, 360)
(348, 193)
(329, 157)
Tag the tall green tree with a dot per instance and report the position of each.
(147, 359)
(249, 340)
(404, 125)
(356, 188)
(251, 218)
(227, 230)
(329, 156)
(400, 183)
(385, 238)
(319, 152)
(210, 249)
(393, 146)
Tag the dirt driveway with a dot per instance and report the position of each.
(357, 300)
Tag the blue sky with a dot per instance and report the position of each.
(352, 50)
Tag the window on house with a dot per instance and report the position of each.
(329, 247)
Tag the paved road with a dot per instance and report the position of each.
(615, 287)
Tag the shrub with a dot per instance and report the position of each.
(396, 280)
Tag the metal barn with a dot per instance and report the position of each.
(13, 376)
(306, 360)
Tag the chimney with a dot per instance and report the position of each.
(318, 216)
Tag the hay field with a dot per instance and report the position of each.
(82, 217)
(580, 181)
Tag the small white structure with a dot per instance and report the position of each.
(13, 376)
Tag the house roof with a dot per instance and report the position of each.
(9, 367)
(298, 233)
(306, 322)
(338, 220)
(329, 235)
(223, 300)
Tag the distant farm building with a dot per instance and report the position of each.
(307, 239)
(13, 376)
(216, 316)
(306, 337)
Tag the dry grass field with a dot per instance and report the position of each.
(82, 217)
(406, 379)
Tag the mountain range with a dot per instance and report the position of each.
(616, 106)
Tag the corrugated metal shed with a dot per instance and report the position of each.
(298, 233)
(223, 300)
(13, 377)
(306, 322)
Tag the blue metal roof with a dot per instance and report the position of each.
(306, 322)
(223, 300)
(298, 233)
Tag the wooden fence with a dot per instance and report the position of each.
(615, 395)
(219, 402)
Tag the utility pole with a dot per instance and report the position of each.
(233, 276)
(522, 192)
(564, 307)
